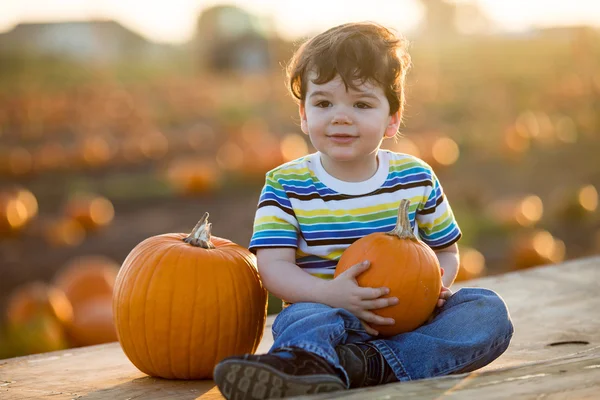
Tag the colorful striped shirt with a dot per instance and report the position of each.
(303, 207)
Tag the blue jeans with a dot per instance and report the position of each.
(472, 329)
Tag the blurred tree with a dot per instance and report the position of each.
(445, 19)
(97, 41)
(439, 18)
(228, 38)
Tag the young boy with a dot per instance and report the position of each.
(349, 82)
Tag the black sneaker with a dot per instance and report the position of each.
(284, 372)
(365, 365)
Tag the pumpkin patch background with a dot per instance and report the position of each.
(95, 157)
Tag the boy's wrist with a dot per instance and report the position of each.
(320, 291)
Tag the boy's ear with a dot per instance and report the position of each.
(393, 125)
(303, 122)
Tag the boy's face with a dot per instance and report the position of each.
(347, 126)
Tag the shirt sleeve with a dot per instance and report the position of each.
(435, 221)
(275, 223)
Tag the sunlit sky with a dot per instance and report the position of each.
(174, 20)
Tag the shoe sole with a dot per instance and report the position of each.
(246, 380)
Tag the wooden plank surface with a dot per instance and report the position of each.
(555, 353)
(568, 377)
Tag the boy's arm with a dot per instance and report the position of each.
(282, 277)
(448, 258)
(449, 261)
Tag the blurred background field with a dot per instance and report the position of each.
(108, 137)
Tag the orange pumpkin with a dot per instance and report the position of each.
(35, 317)
(86, 278)
(92, 212)
(62, 231)
(192, 177)
(31, 300)
(17, 207)
(93, 323)
(40, 334)
(535, 248)
(472, 264)
(404, 264)
(183, 303)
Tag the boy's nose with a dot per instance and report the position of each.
(341, 119)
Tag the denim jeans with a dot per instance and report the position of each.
(472, 329)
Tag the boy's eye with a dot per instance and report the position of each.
(362, 105)
(323, 104)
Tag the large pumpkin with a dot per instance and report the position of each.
(404, 264)
(183, 303)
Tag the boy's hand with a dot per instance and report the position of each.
(445, 293)
(344, 292)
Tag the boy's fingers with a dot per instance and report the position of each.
(369, 328)
(374, 293)
(375, 319)
(356, 269)
(380, 303)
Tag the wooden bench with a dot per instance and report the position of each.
(555, 353)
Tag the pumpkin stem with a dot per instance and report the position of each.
(403, 230)
(200, 236)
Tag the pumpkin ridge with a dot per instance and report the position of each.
(224, 257)
(128, 269)
(188, 269)
(193, 317)
(417, 280)
(171, 296)
(147, 255)
(235, 296)
(199, 296)
(218, 324)
(147, 289)
(227, 260)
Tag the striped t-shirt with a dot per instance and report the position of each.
(303, 207)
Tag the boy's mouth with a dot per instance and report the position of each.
(341, 138)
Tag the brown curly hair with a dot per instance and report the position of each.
(357, 52)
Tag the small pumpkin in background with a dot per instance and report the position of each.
(36, 314)
(404, 264)
(191, 177)
(18, 206)
(37, 298)
(472, 264)
(93, 323)
(62, 231)
(91, 211)
(183, 302)
(39, 335)
(88, 283)
(534, 248)
(576, 204)
(87, 277)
